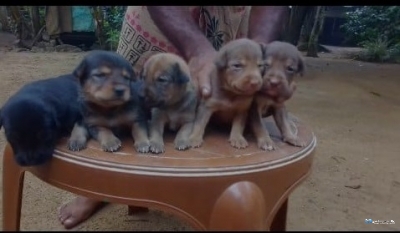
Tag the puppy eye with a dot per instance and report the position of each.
(237, 66)
(162, 79)
(290, 69)
(98, 77)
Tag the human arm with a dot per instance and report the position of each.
(266, 23)
(178, 26)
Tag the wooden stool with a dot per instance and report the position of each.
(215, 187)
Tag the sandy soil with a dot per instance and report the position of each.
(353, 108)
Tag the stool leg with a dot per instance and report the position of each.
(279, 222)
(137, 209)
(241, 207)
(13, 181)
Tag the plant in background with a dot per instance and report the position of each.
(375, 50)
(113, 18)
(381, 50)
(370, 22)
(377, 30)
(112, 38)
(394, 53)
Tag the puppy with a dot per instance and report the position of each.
(109, 103)
(235, 79)
(172, 97)
(38, 115)
(282, 63)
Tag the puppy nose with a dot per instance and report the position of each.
(119, 91)
(255, 83)
(274, 81)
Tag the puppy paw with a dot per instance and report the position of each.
(111, 145)
(156, 147)
(142, 147)
(182, 144)
(238, 142)
(76, 145)
(266, 144)
(196, 142)
(294, 141)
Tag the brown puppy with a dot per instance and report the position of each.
(109, 103)
(282, 63)
(172, 97)
(235, 79)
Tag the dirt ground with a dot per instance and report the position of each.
(353, 108)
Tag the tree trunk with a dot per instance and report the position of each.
(306, 29)
(23, 30)
(4, 19)
(312, 50)
(99, 17)
(295, 23)
(34, 11)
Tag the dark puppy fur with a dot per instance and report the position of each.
(235, 79)
(283, 62)
(172, 97)
(38, 115)
(109, 103)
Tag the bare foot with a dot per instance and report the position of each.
(78, 210)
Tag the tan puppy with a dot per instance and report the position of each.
(109, 103)
(235, 80)
(170, 92)
(283, 63)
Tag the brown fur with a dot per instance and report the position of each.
(283, 63)
(171, 94)
(109, 103)
(235, 79)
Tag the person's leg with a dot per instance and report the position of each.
(78, 210)
(139, 39)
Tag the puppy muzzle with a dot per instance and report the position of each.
(33, 158)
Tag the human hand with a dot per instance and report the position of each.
(201, 66)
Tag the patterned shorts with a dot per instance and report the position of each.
(140, 38)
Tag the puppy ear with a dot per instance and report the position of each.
(263, 48)
(56, 122)
(138, 86)
(80, 69)
(142, 74)
(178, 76)
(221, 61)
(301, 69)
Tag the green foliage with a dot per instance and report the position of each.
(380, 50)
(113, 18)
(377, 30)
(369, 23)
(42, 15)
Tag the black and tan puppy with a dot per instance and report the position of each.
(109, 103)
(282, 63)
(172, 97)
(235, 80)
(38, 115)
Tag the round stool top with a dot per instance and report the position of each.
(215, 157)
